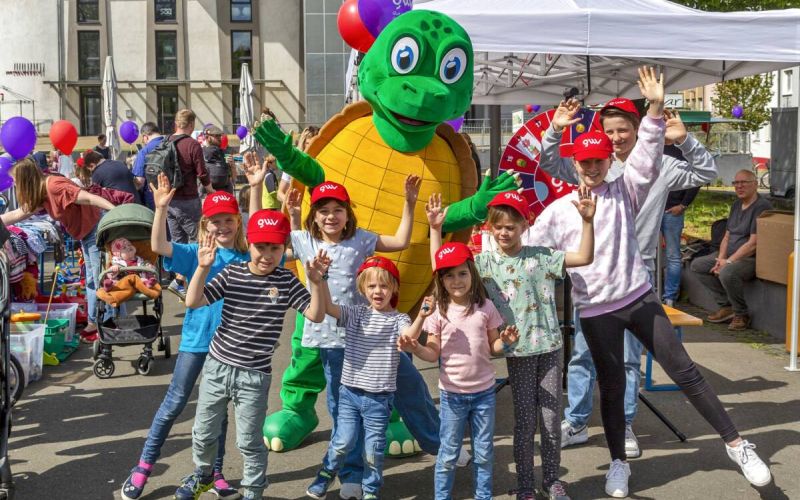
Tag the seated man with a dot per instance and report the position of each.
(725, 272)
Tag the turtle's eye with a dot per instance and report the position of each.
(405, 55)
(454, 63)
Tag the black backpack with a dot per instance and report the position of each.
(164, 158)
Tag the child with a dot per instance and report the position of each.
(614, 293)
(369, 374)
(222, 222)
(462, 335)
(239, 367)
(520, 281)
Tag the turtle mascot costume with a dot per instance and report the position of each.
(416, 75)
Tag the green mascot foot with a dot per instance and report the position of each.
(286, 429)
(399, 441)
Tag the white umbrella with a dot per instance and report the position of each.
(110, 108)
(246, 107)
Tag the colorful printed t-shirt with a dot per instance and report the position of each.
(466, 365)
(522, 289)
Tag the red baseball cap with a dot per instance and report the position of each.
(220, 202)
(592, 145)
(388, 265)
(622, 104)
(451, 255)
(79, 162)
(329, 189)
(268, 226)
(514, 200)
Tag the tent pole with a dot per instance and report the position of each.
(796, 275)
(494, 137)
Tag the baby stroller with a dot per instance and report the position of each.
(134, 222)
(11, 378)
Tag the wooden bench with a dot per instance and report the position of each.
(679, 319)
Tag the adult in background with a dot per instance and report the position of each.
(101, 147)
(151, 138)
(302, 144)
(112, 174)
(219, 169)
(725, 272)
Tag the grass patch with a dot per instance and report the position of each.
(708, 207)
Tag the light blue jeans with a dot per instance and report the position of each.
(367, 413)
(456, 410)
(248, 390)
(414, 403)
(671, 228)
(91, 259)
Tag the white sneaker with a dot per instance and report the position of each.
(464, 458)
(753, 468)
(617, 479)
(631, 443)
(573, 435)
(350, 491)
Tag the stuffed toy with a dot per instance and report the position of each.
(120, 283)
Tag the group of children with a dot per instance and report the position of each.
(500, 302)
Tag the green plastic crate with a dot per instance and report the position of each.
(54, 334)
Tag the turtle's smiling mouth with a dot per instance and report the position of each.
(409, 121)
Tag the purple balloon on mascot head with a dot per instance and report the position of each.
(456, 123)
(376, 14)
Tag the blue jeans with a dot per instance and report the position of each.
(456, 410)
(248, 389)
(415, 404)
(187, 369)
(671, 228)
(91, 259)
(332, 360)
(361, 412)
(581, 376)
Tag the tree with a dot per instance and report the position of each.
(752, 93)
(734, 5)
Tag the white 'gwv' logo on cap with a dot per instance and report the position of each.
(446, 251)
(220, 197)
(267, 222)
(513, 196)
(327, 187)
(589, 141)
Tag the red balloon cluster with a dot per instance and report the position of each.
(353, 30)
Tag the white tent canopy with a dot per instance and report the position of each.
(529, 51)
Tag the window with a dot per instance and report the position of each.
(167, 107)
(787, 82)
(88, 55)
(235, 106)
(241, 51)
(91, 111)
(241, 11)
(165, 11)
(88, 11)
(166, 55)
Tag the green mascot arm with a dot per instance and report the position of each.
(290, 159)
(473, 210)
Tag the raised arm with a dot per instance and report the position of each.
(87, 198)
(293, 207)
(436, 215)
(290, 159)
(402, 237)
(550, 159)
(408, 339)
(699, 167)
(206, 253)
(255, 173)
(474, 209)
(586, 206)
(317, 273)
(162, 196)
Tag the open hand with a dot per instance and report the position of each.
(509, 335)
(206, 251)
(162, 195)
(293, 202)
(433, 209)
(586, 204)
(413, 183)
(407, 344)
(317, 269)
(253, 170)
(652, 89)
(676, 131)
(565, 115)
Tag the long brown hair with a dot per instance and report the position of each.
(349, 228)
(477, 292)
(30, 185)
(305, 137)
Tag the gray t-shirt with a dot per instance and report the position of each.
(742, 223)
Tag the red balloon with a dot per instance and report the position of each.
(529, 108)
(63, 136)
(223, 142)
(352, 28)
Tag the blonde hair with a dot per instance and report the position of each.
(185, 118)
(239, 242)
(30, 185)
(497, 212)
(383, 276)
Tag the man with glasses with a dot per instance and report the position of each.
(725, 272)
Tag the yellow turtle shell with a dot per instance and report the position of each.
(352, 153)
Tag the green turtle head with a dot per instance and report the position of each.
(417, 75)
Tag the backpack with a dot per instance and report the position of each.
(218, 171)
(164, 158)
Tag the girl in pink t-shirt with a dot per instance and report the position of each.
(462, 335)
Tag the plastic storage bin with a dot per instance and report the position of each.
(27, 344)
(57, 311)
(55, 334)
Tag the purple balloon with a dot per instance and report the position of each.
(5, 165)
(128, 132)
(536, 108)
(18, 136)
(737, 111)
(241, 132)
(6, 181)
(376, 14)
(456, 123)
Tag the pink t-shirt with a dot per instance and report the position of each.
(466, 366)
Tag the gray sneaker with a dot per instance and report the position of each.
(573, 435)
(178, 289)
(632, 449)
(557, 491)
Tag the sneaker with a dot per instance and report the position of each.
(669, 302)
(370, 496)
(573, 435)
(617, 479)
(129, 490)
(222, 489)
(557, 491)
(523, 494)
(631, 443)
(178, 289)
(753, 468)
(192, 486)
(721, 316)
(350, 491)
(319, 488)
(739, 322)
(464, 458)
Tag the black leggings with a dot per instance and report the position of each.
(646, 319)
